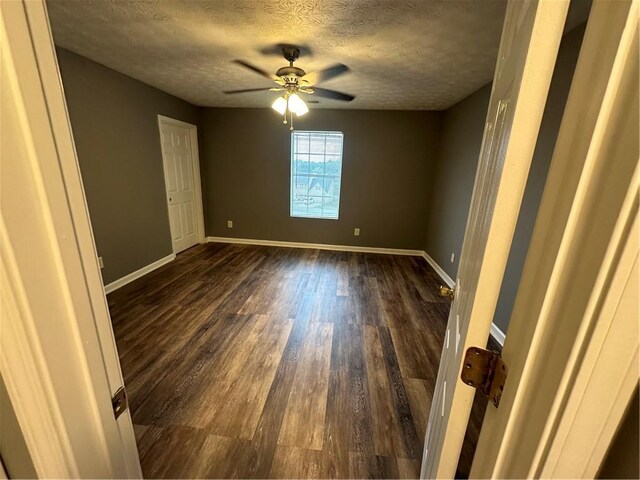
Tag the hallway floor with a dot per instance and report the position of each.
(257, 362)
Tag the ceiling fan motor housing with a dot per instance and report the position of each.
(290, 52)
(290, 74)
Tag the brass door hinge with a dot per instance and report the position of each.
(119, 402)
(485, 371)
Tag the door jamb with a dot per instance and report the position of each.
(545, 21)
(560, 424)
(57, 373)
(195, 166)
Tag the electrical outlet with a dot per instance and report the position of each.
(356, 232)
(453, 257)
(229, 223)
(100, 262)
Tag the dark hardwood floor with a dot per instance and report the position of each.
(257, 362)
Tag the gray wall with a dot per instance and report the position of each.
(623, 459)
(453, 179)
(456, 168)
(13, 448)
(115, 128)
(387, 170)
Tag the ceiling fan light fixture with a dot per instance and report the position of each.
(292, 80)
(297, 105)
(280, 105)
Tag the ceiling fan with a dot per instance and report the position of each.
(293, 80)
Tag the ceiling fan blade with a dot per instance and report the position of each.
(325, 93)
(258, 70)
(246, 90)
(325, 74)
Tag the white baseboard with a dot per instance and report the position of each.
(121, 282)
(447, 279)
(497, 334)
(317, 246)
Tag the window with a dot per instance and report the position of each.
(316, 167)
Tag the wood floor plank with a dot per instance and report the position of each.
(165, 449)
(265, 438)
(337, 433)
(211, 458)
(420, 395)
(352, 415)
(165, 397)
(248, 388)
(342, 283)
(408, 468)
(412, 443)
(240, 392)
(387, 436)
(348, 426)
(362, 466)
(415, 353)
(292, 462)
(304, 418)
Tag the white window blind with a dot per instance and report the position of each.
(316, 168)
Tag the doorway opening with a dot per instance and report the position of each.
(327, 333)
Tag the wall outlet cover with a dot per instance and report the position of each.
(356, 232)
(229, 223)
(453, 257)
(100, 262)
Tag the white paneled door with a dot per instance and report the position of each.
(177, 156)
(528, 49)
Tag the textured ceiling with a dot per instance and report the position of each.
(414, 55)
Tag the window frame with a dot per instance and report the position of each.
(323, 176)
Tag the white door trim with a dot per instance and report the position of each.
(27, 380)
(57, 354)
(195, 164)
(61, 125)
(605, 378)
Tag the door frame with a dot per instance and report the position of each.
(54, 242)
(195, 166)
(58, 356)
(529, 45)
(572, 344)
